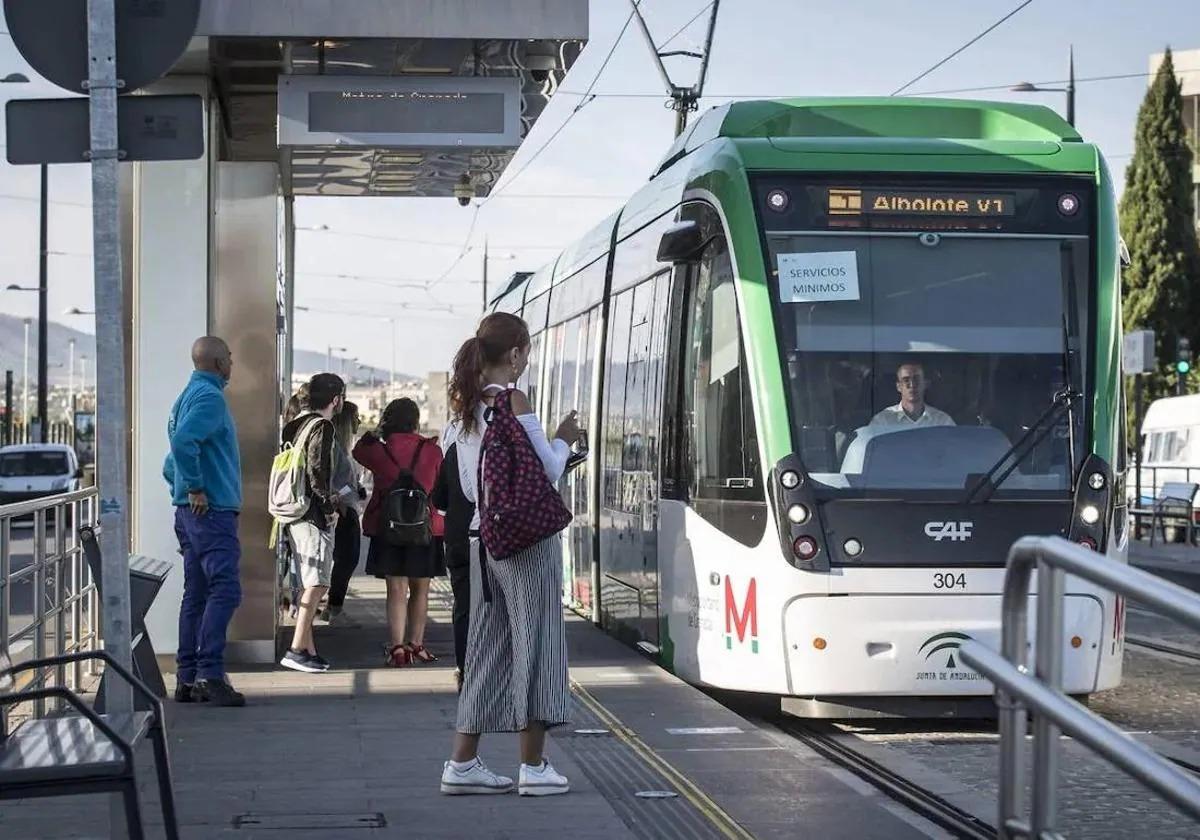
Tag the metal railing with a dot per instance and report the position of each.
(48, 600)
(1042, 694)
(1147, 490)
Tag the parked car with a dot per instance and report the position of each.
(36, 470)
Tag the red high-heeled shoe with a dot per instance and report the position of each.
(420, 654)
(399, 656)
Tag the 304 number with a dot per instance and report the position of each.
(949, 580)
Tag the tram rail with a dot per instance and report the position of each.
(1162, 646)
(822, 739)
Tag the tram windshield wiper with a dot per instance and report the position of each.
(987, 483)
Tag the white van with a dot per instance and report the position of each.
(34, 470)
(1170, 446)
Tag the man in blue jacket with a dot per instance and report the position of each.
(204, 471)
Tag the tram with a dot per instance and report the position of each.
(834, 358)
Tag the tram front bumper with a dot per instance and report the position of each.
(897, 645)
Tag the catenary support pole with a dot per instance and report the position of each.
(112, 422)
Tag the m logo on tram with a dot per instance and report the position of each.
(739, 620)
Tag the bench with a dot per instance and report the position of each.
(87, 752)
(1172, 504)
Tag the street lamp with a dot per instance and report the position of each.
(42, 372)
(71, 379)
(1069, 90)
(43, 226)
(25, 383)
(75, 310)
(330, 350)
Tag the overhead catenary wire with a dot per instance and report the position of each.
(466, 245)
(684, 28)
(965, 46)
(1078, 81)
(579, 106)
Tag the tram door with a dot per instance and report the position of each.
(629, 486)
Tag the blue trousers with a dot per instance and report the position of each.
(212, 590)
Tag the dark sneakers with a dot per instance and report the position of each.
(185, 693)
(300, 660)
(218, 693)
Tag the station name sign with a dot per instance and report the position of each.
(400, 111)
(909, 202)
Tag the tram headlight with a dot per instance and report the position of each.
(798, 514)
(1068, 204)
(852, 547)
(805, 548)
(790, 479)
(1090, 514)
(778, 200)
(1096, 481)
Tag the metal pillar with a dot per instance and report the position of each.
(43, 322)
(112, 429)
(8, 407)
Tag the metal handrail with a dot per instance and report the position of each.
(1042, 693)
(64, 611)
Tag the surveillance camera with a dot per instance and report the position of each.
(539, 76)
(464, 191)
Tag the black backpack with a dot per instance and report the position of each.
(405, 515)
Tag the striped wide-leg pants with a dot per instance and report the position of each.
(516, 669)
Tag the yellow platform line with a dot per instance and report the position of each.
(686, 788)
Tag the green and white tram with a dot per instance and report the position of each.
(835, 358)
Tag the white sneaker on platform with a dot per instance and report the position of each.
(542, 781)
(475, 778)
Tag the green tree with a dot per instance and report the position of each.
(1162, 283)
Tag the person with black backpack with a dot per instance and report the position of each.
(404, 528)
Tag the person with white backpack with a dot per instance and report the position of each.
(304, 501)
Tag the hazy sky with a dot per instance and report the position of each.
(762, 48)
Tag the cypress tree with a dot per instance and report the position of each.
(1162, 284)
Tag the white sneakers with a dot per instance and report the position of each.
(542, 781)
(475, 778)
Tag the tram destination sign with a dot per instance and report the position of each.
(399, 111)
(985, 202)
(842, 201)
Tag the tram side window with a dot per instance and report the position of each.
(722, 446)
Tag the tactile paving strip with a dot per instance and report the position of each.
(620, 773)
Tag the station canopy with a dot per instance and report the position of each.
(397, 98)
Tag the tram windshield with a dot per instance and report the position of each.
(917, 360)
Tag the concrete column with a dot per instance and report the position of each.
(168, 265)
(243, 307)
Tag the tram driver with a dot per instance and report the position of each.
(912, 412)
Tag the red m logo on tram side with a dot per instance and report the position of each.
(739, 620)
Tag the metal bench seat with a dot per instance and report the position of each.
(69, 748)
(85, 752)
(1174, 503)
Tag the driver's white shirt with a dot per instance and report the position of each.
(895, 417)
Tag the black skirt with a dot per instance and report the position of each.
(385, 560)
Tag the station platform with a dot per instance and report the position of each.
(358, 752)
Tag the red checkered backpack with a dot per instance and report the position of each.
(518, 506)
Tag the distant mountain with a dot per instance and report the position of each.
(12, 344)
(308, 362)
